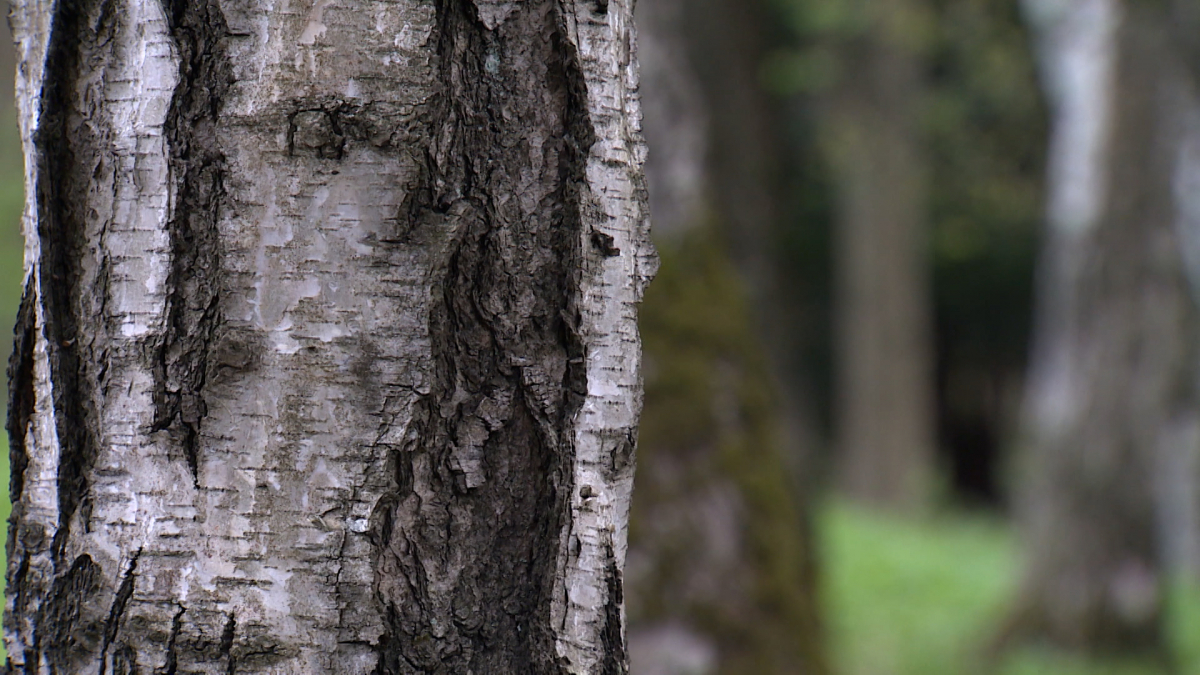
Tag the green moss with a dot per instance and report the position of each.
(711, 418)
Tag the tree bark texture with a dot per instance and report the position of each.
(885, 411)
(327, 360)
(721, 567)
(1107, 498)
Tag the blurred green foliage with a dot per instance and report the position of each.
(986, 129)
(908, 597)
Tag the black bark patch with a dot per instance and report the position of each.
(117, 611)
(613, 637)
(492, 440)
(16, 582)
(604, 244)
(198, 168)
(68, 630)
(227, 637)
(81, 31)
(21, 394)
(172, 661)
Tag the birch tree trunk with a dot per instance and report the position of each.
(327, 360)
(1107, 500)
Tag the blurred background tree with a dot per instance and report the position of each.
(1107, 500)
(942, 97)
(721, 562)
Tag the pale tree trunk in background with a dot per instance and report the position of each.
(1179, 467)
(885, 424)
(328, 358)
(721, 576)
(1106, 494)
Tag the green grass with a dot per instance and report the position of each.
(905, 597)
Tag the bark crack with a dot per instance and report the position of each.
(66, 623)
(197, 164)
(172, 660)
(615, 660)
(227, 637)
(117, 611)
(66, 154)
(21, 395)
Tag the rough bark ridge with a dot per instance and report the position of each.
(68, 142)
(469, 553)
(328, 359)
(49, 587)
(197, 165)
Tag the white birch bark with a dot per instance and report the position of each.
(328, 358)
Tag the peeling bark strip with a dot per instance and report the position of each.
(198, 168)
(469, 561)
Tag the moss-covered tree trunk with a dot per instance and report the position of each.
(328, 359)
(721, 577)
(1106, 498)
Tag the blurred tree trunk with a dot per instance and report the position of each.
(885, 415)
(1107, 491)
(721, 576)
(327, 360)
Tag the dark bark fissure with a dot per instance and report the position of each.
(172, 661)
(21, 394)
(197, 168)
(615, 660)
(120, 601)
(124, 661)
(19, 590)
(227, 637)
(484, 478)
(67, 626)
(81, 29)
